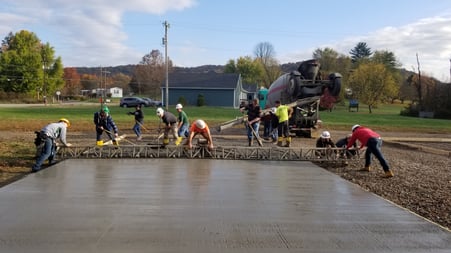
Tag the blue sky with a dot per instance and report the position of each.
(97, 33)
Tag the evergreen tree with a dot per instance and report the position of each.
(360, 52)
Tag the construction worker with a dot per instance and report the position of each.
(346, 153)
(373, 142)
(48, 136)
(105, 123)
(324, 141)
(253, 119)
(183, 122)
(200, 127)
(170, 121)
(139, 121)
(283, 113)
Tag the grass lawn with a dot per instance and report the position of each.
(385, 117)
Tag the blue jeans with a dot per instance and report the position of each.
(47, 151)
(137, 129)
(183, 131)
(267, 128)
(110, 133)
(373, 146)
(255, 126)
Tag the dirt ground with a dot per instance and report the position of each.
(422, 181)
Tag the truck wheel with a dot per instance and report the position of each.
(335, 84)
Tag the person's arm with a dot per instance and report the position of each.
(115, 129)
(63, 137)
(190, 139)
(290, 112)
(210, 139)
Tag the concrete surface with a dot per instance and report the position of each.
(178, 205)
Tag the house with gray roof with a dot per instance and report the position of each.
(218, 89)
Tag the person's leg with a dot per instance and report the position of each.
(266, 129)
(136, 129)
(46, 152)
(175, 131)
(378, 154)
(109, 132)
(286, 134)
(99, 134)
(368, 157)
(280, 138)
(166, 135)
(256, 127)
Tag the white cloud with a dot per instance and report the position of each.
(85, 32)
(429, 38)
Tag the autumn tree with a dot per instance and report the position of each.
(89, 82)
(149, 74)
(327, 57)
(265, 55)
(249, 69)
(28, 66)
(122, 81)
(331, 61)
(427, 87)
(72, 80)
(372, 83)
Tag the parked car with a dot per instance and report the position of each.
(132, 102)
(154, 103)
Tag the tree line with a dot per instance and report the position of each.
(30, 70)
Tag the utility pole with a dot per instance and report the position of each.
(165, 43)
(45, 81)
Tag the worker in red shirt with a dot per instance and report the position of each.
(200, 127)
(373, 142)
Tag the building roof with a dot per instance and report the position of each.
(209, 80)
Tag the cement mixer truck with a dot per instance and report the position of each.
(304, 90)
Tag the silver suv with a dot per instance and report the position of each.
(132, 102)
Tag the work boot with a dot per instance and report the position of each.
(250, 142)
(99, 143)
(139, 138)
(288, 142)
(366, 169)
(280, 141)
(178, 141)
(388, 174)
(115, 143)
(165, 141)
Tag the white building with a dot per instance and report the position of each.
(116, 92)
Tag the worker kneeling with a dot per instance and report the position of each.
(200, 127)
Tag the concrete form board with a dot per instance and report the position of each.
(193, 205)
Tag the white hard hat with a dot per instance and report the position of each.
(354, 127)
(160, 112)
(200, 124)
(178, 106)
(325, 134)
(273, 110)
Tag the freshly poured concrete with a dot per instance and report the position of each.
(175, 205)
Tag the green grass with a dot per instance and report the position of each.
(385, 117)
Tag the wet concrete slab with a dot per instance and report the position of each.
(177, 205)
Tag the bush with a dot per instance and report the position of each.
(182, 100)
(200, 100)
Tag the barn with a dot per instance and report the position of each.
(217, 89)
